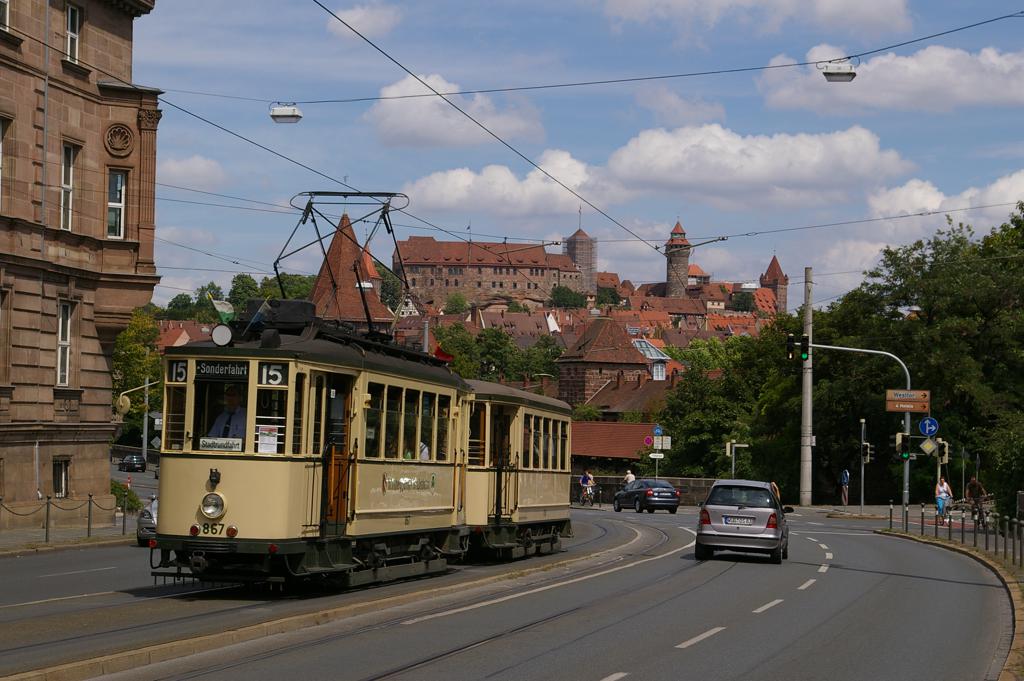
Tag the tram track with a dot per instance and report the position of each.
(334, 638)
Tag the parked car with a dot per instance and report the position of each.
(145, 528)
(647, 495)
(132, 462)
(742, 515)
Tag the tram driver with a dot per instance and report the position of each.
(231, 422)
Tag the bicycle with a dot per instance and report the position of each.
(587, 496)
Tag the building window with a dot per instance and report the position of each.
(479, 284)
(63, 343)
(414, 281)
(74, 16)
(658, 371)
(61, 467)
(4, 124)
(67, 185)
(4, 14)
(115, 204)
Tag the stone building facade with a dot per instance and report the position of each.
(582, 250)
(488, 275)
(778, 282)
(77, 179)
(603, 353)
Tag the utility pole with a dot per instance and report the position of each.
(806, 414)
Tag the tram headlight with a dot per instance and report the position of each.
(212, 506)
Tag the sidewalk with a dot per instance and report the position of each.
(27, 540)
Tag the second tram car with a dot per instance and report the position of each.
(301, 450)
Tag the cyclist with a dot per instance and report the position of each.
(975, 493)
(586, 487)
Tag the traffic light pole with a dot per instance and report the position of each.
(807, 391)
(863, 434)
(906, 417)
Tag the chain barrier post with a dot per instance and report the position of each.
(906, 518)
(975, 532)
(1006, 534)
(936, 523)
(88, 525)
(984, 528)
(949, 524)
(124, 514)
(1, 511)
(1013, 541)
(922, 519)
(47, 535)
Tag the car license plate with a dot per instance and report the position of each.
(738, 520)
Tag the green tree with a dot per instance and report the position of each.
(742, 301)
(586, 412)
(135, 359)
(296, 286)
(460, 344)
(204, 311)
(538, 359)
(456, 304)
(563, 296)
(181, 307)
(243, 289)
(390, 288)
(516, 306)
(607, 296)
(498, 354)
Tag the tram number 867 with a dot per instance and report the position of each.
(212, 528)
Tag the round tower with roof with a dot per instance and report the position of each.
(677, 263)
(583, 251)
(775, 279)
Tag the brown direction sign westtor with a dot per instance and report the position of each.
(908, 395)
(917, 406)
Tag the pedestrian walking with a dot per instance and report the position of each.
(844, 486)
(943, 493)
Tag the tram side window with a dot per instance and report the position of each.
(410, 419)
(317, 415)
(174, 418)
(374, 412)
(392, 421)
(477, 434)
(444, 411)
(300, 388)
(546, 463)
(219, 417)
(271, 417)
(563, 454)
(538, 433)
(527, 439)
(427, 415)
(563, 450)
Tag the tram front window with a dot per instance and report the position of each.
(220, 416)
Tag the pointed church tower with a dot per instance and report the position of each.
(677, 263)
(778, 282)
(344, 302)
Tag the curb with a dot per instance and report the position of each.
(30, 549)
(161, 652)
(1013, 667)
(856, 516)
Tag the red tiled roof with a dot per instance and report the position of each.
(609, 439)
(578, 234)
(345, 303)
(764, 301)
(606, 341)
(774, 271)
(734, 323)
(620, 395)
(175, 332)
(425, 250)
(678, 235)
(696, 271)
(607, 280)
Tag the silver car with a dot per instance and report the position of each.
(742, 515)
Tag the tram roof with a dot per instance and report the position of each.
(503, 393)
(353, 355)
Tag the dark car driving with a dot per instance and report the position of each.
(145, 527)
(647, 495)
(132, 462)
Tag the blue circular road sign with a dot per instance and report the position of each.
(928, 426)
(657, 431)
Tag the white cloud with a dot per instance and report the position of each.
(716, 165)
(429, 121)
(670, 109)
(194, 171)
(840, 268)
(936, 78)
(873, 16)
(373, 20)
(917, 196)
(497, 189)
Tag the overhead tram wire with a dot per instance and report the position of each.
(501, 140)
(614, 81)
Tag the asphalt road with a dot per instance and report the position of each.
(847, 604)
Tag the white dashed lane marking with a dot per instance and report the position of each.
(806, 584)
(697, 639)
(828, 555)
(823, 568)
(615, 677)
(770, 604)
(824, 546)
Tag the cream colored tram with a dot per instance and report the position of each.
(347, 463)
(517, 469)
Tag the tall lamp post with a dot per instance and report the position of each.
(730, 451)
(124, 404)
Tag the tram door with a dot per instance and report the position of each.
(504, 465)
(338, 458)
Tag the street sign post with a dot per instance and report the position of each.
(928, 446)
(657, 456)
(915, 395)
(916, 401)
(657, 430)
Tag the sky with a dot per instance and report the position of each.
(767, 154)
